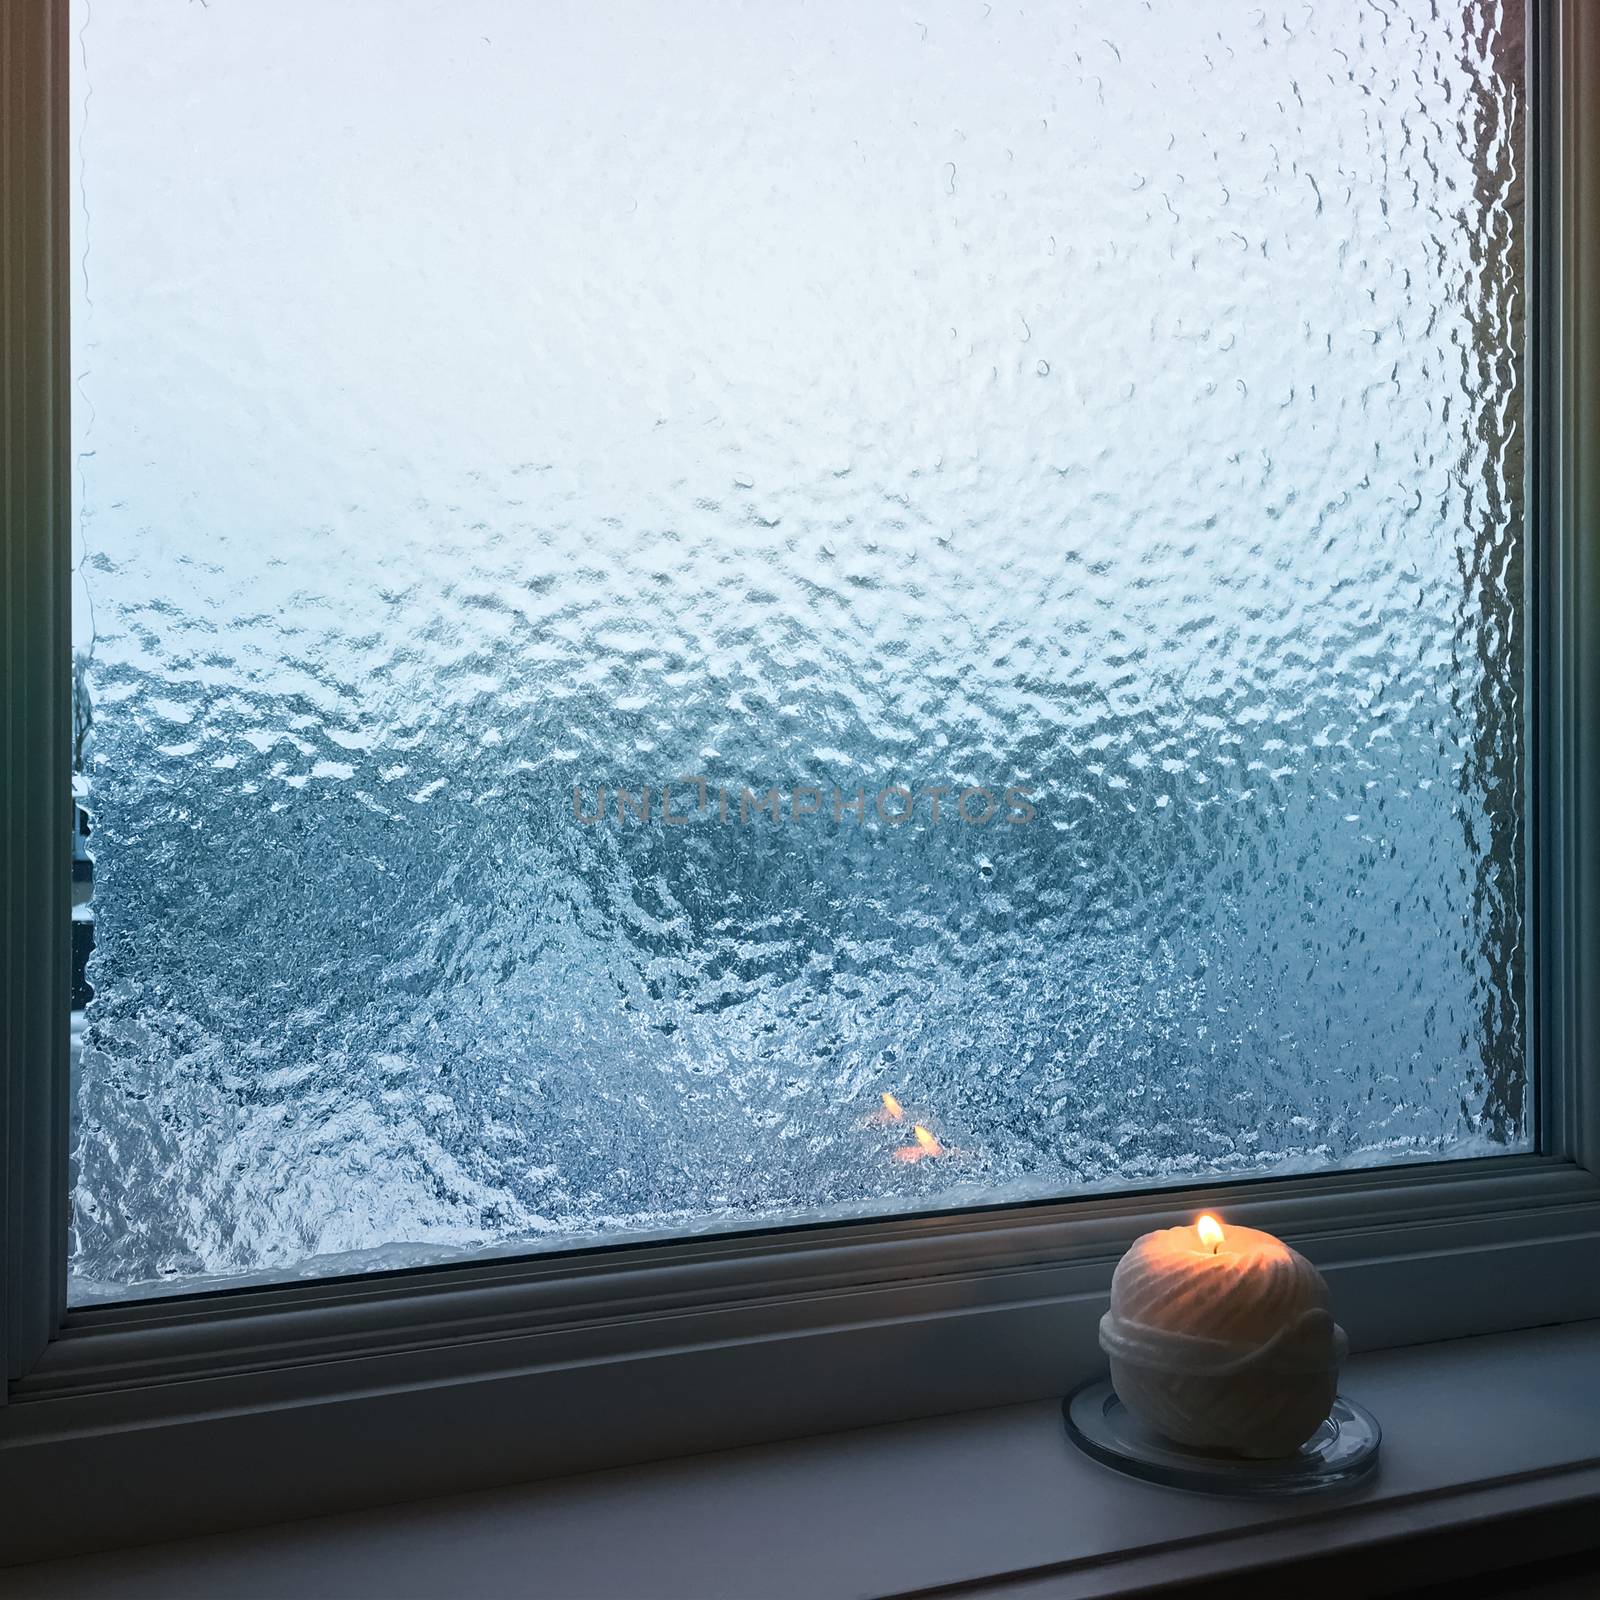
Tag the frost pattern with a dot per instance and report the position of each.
(479, 401)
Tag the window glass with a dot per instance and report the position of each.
(699, 615)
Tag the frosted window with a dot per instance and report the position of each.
(1106, 414)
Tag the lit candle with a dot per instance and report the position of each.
(1223, 1339)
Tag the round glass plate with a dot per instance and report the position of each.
(1340, 1453)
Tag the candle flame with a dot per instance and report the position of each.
(892, 1111)
(1210, 1231)
(926, 1145)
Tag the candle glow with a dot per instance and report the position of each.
(1210, 1231)
(890, 1111)
(927, 1145)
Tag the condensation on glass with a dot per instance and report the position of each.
(1108, 416)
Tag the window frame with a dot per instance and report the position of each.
(334, 1394)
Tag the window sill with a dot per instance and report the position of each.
(1477, 1431)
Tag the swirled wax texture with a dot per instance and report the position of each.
(1227, 1346)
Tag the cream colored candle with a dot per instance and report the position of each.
(1223, 1339)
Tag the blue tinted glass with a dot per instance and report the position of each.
(1091, 436)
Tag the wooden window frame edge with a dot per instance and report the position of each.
(349, 1392)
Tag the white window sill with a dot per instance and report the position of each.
(999, 1500)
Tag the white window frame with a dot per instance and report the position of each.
(123, 1423)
